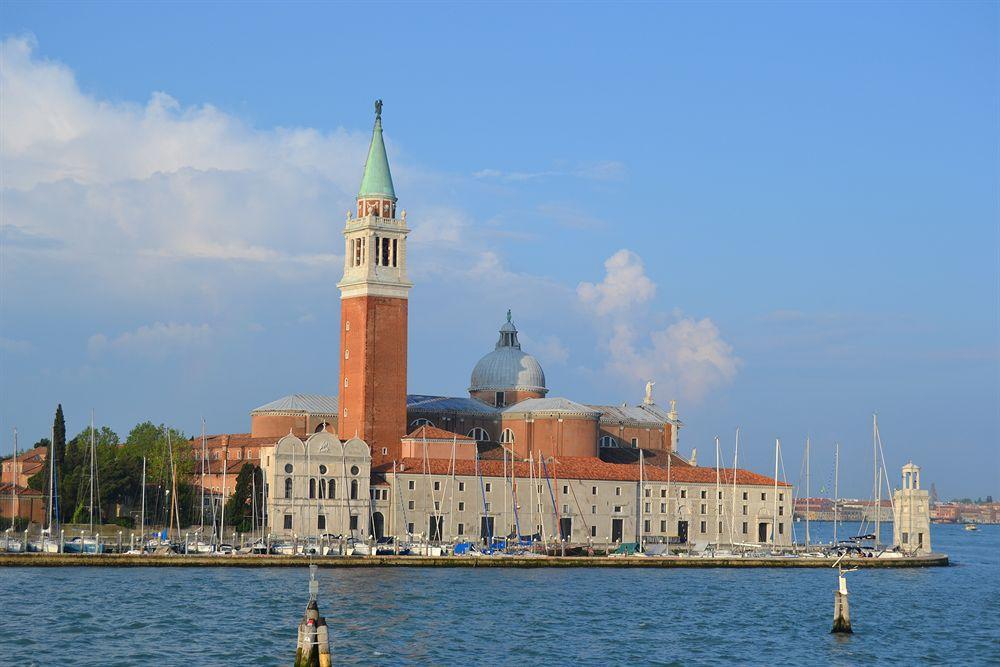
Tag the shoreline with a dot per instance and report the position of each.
(121, 560)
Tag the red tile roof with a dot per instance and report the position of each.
(581, 467)
(6, 492)
(435, 433)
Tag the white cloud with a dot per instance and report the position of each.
(688, 357)
(610, 170)
(625, 285)
(156, 340)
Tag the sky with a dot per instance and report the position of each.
(786, 215)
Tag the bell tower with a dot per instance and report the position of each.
(373, 312)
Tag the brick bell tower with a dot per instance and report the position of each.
(373, 312)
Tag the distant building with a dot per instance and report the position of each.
(507, 459)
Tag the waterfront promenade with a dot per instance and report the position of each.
(255, 561)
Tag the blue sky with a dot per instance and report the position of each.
(784, 214)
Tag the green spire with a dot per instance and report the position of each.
(377, 180)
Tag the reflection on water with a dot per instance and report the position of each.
(228, 616)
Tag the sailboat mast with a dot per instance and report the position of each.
(142, 509)
(13, 483)
(877, 480)
(774, 515)
(642, 499)
(203, 445)
(52, 465)
(92, 471)
(718, 492)
(736, 459)
(836, 490)
(807, 491)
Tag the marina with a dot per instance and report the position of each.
(437, 615)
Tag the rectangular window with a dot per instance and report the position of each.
(746, 496)
(409, 528)
(565, 490)
(593, 531)
(781, 497)
(593, 490)
(906, 538)
(288, 521)
(744, 510)
(763, 496)
(703, 529)
(704, 494)
(635, 443)
(461, 529)
(645, 526)
(648, 491)
(395, 248)
(461, 486)
(411, 485)
(720, 495)
(781, 529)
(663, 526)
(321, 522)
(663, 492)
(781, 510)
(385, 252)
(744, 527)
(645, 508)
(618, 490)
(684, 493)
(410, 505)
(565, 509)
(489, 487)
(499, 400)
(437, 486)
(704, 508)
(461, 506)
(593, 509)
(487, 507)
(663, 508)
(377, 245)
(618, 508)
(437, 505)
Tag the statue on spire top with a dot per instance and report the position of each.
(378, 108)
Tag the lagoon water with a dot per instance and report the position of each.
(234, 616)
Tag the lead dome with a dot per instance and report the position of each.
(507, 367)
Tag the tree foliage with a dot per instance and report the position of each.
(239, 506)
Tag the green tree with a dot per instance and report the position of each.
(239, 507)
(40, 480)
(154, 443)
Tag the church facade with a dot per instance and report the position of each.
(508, 458)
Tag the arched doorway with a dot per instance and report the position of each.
(378, 525)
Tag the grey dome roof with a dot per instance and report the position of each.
(507, 367)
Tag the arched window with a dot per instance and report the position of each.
(312, 487)
(507, 437)
(332, 488)
(288, 487)
(354, 489)
(321, 426)
(322, 488)
(608, 441)
(417, 423)
(479, 435)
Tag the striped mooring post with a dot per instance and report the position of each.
(313, 649)
(841, 610)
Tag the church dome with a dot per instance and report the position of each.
(507, 368)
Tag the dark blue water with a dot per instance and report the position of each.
(229, 616)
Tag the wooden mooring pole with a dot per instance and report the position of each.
(313, 649)
(841, 608)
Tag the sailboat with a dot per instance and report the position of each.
(87, 544)
(46, 543)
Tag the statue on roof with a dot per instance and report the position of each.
(378, 108)
(508, 314)
(649, 393)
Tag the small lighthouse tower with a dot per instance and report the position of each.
(911, 526)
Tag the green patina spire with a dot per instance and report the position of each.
(377, 180)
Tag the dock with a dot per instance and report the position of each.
(126, 560)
